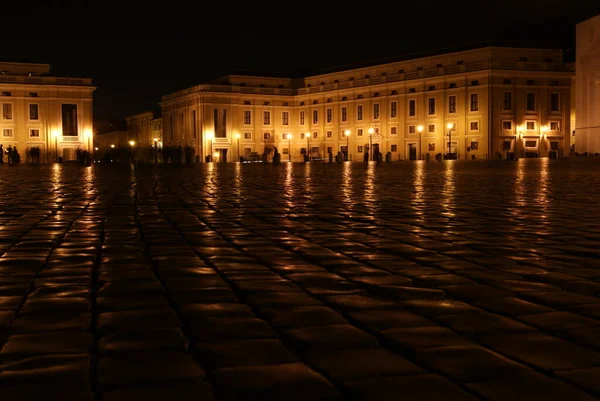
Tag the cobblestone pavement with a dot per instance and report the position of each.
(443, 281)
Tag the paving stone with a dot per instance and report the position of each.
(358, 302)
(481, 323)
(192, 391)
(47, 389)
(511, 306)
(226, 354)
(559, 322)
(432, 308)
(47, 343)
(388, 319)
(231, 328)
(585, 378)
(560, 299)
(282, 300)
(44, 367)
(171, 339)
(137, 320)
(55, 305)
(115, 304)
(414, 339)
(302, 316)
(328, 337)
(208, 295)
(45, 323)
(470, 292)
(291, 381)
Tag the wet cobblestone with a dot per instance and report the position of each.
(473, 280)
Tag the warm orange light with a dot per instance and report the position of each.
(420, 128)
(347, 132)
(155, 139)
(544, 128)
(55, 133)
(132, 143)
(209, 135)
(289, 136)
(95, 148)
(216, 154)
(237, 136)
(112, 146)
(371, 130)
(450, 126)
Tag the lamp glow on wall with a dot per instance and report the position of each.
(87, 133)
(209, 135)
(347, 133)
(56, 134)
(544, 130)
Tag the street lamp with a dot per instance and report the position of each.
(112, 146)
(237, 136)
(55, 135)
(155, 150)
(371, 131)
(449, 126)
(420, 129)
(347, 133)
(210, 136)
(308, 145)
(88, 135)
(289, 138)
(215, 155)
(96, 148)
(132, 143)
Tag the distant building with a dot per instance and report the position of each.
(145, 129)
(53, 114)
(587, 139)
(501, 102)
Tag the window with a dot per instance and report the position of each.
(359, 132)
(431, 147)
(393, 130)
(412, 108)
(431, 87)
(394, 148)
(302, 151)
(267, 136)
(34, 133)
(507, 101)
(474, 101)
(412, 129)
(412, 90)
(301, 118)
(554, 126)
(247, 135)
(34, 111)
(33, 94)
(474, 145)
(7, 113)
(506, 145)
(359, 110)
(531, 102)
(315, 116)
(69, 120)
(284, 136)
(506, 82)
(285, 118)
(7, 132)
(554, 102)
(315, 135)
(247, 117)
(6, 94)
(329, 115)
(376, 111)
(431, 106)
(530, 144)
(285, 151)
(302, 135)
(452, 85)
(474, 125)
(431, 128)
(506, 125)
(393, 109)
(530, 125)
(267, 118)
(359, 149)
(452, 104)
(314, 149)
(329, 134)
(219, 122)
(553, 145)
(344, 113)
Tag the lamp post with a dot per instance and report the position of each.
(371, 131)
(420, 129)
(544, 130)
(308, 146)
(215, 155)
(132, 144)
(237, 136)
(289, 138)
(155, 150)
(209, 136)
(55, 134)
(347, 133)
(449, 126)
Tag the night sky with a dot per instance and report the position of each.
(135, 52)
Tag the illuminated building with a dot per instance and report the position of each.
(146, 130)
(501, 102)
(53, 114)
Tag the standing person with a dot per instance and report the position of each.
(16, 157)
(366, 155)
(1, 154)
(9, 152)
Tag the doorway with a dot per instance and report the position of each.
(222, 155)
(412, 151)
(375, 151)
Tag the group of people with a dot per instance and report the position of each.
(13, 156)
(83, 157)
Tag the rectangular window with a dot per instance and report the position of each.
(314, 150)
(267, 118)
(247, 117)
(194, 123)
(393, 109)
(530, 144)
(285, 151)
(267, 136)
(344, 113)
(412, 108)
(34, 133)
(506, 125)
(315, 135)
(431, 128)
(219, 122)
(315, 116)
(376, 111)
(7, 112)
(247, 135)
(554, 126)
(284, 136)
(285, 118)
(34, 111)
(530, 125)
(431, 147)
(301, 118)
(394, 148)
(411, 129)
(329, 134)
(531, 102)
(359, 110)
(554, 102)
(329, 115)
(474, 145)
(393, 130)
(69, 120)
(474, 101)
(359, 132)
(452, 104)
(302, 135)
(431, 106)
(474, 125)
(359, 149)
(7, 132)
(507, 101)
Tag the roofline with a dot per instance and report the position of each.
(25, 63)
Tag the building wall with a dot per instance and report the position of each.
(478, 132)
(24, 84)
(587, 133)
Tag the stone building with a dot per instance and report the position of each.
(145, 129)
(475, 104)
(53, 114)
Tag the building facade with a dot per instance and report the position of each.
(53, 114)
(484, 103)
(587, 130)
(145, 129)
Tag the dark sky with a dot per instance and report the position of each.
(135, 52)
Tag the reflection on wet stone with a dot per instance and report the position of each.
(455, 280)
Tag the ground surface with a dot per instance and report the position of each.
(443, 281)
